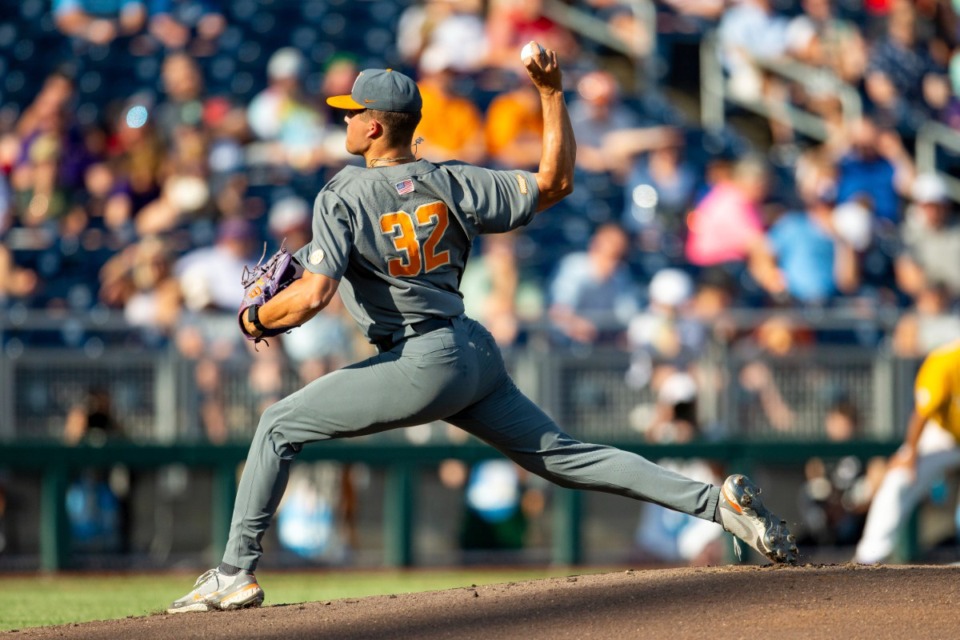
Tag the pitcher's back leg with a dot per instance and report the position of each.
(512, 423)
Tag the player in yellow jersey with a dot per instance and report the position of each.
(929, 450)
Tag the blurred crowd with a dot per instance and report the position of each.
(164, 144)
(149, 149)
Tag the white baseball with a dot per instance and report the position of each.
(527, 51)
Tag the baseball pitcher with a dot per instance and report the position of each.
(393, 238)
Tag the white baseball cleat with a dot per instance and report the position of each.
(743, 514)
(214, 590)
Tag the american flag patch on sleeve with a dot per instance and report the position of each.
(404, 187)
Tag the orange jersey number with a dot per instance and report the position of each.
(401, 225)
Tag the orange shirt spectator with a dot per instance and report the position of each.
(452, 127)
(515, 128)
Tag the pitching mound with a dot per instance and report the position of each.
(845, 601)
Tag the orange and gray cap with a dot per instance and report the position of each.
(383, 90)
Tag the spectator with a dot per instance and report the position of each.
(929, 325)
(514, 128)
(819, 38)
(107, 203)
(804, 257)
(836, 494)
(452, 126)
(513, 23)
(597, 115)
(627, 26)
(494, 293)
(660, 185)
(899, 56)
(282, 117)
(661, 535)
(97, 502)
(777, 337)
(338, 78)
(666, 337)
(210, 283)
(53, 153)
(184, 91)
(173, 22)
(139, 280)
(501, 502)
(15, 282)
(453, 28)
(711, 304)
(185, 195)
(327, 344)
(99, 21)
(931, 241)
(316, 518)
(727, 225)
(876, 168)
(138, 156)
(592, 293)
(750, 31)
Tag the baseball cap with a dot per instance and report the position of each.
(285, 63)
(854, 223)
(677, 388)
(670, 287)
(383, 90)
(928, 187)
(287, 214)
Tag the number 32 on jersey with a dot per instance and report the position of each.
(417, 258)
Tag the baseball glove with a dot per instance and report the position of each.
(263, 282)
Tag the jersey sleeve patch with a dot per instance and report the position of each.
(316, 257)
(522, 182)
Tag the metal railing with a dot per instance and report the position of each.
(595, 29)
(930, 136)
(714, 94)
(154, 397)
(586, 392)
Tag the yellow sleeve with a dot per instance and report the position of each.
(931, 390)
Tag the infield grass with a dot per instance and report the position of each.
(35, 601)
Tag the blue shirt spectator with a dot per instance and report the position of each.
(876, 168)
(870, 176)
(592, 294)
(806, 255)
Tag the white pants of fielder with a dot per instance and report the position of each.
(900, 492)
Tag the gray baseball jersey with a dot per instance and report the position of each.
(397, 238)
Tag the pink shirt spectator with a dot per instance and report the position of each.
(723, 227)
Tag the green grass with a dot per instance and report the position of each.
(27, 599)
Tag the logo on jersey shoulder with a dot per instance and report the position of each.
(522, 182)
(316, 257)
(404, 187)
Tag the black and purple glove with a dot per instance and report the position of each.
(260, 284)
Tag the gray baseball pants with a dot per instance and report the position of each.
(455, 374)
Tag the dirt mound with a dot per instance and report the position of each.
(839, 601)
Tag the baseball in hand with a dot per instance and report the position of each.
(527, 51)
